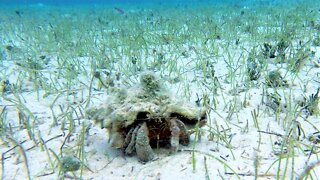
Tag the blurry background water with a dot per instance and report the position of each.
(59, 56)
(154, 2)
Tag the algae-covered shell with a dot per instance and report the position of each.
(146, 102)
(185, 110)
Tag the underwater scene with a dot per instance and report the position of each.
(159, 89)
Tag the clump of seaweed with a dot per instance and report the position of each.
(34, 63)
(274, 79)
(301, 56)
(5, 87)
(314, 138)
(316, 41)
(70, 163)
(146, 116)
(268, 51)
(278, 50)
(274, 101)
(312, 103)
(253, 69)
(281, 49)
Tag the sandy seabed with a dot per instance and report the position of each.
(57, 62)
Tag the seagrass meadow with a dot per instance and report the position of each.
(248, 69)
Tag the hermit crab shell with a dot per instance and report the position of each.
(148, 101)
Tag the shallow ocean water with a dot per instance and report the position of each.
(253, 64)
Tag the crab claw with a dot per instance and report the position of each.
(143, 148)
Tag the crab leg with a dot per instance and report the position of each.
(184, 135)
(143, 148)
(175, 133)
(128, 137)
(132, 139)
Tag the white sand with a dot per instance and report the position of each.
(245, 151)
(107, 163)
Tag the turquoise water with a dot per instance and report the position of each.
(59, 58)
(155, 2)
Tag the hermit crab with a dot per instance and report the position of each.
(147, 116)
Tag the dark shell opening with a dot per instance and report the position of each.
(159, 127)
